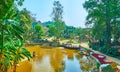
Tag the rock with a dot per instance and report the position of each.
(118, 67)
(91, 53)
(102, 66)
(101, 56)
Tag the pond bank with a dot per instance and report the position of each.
(53, 44)
(115, 62)
(84, 45)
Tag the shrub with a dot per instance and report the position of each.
(107, 69)
(103, 49)
(98, 64)
(113, 51)
(95, 47)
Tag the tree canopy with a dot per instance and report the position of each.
(104, 16)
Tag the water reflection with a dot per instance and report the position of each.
(72, 65)
(48, 59)
(56, 60)
(87, 65)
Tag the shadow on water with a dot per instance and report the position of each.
(56, 60)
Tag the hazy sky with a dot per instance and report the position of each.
(74, 13)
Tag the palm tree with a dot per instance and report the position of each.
(11, 36)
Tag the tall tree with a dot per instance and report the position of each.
(52, 30)
(57, 16)
(103, 13)
(38, 30)
(11, 36)
(25, 20)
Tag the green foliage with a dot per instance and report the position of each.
(57, 11)
(48, 23)
(12, 43)
(38, 30)
(98, 64)
(103, 17)
(5, 6)
(52, 30)
(25, 19)
(11, 35)
(59, 25)
(69, 32)
(103, 49)
(95, 47)
(107, 69)
(113, 51)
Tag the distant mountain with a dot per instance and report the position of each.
(51, 23)
(47, 23)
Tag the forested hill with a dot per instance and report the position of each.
(47, 23)
(68, 32)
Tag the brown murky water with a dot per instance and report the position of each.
(50, 59)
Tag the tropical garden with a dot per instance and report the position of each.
(19, 29)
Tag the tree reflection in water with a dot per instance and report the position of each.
(49, 59)
(70, 53)
(87, 64)
(56, 60)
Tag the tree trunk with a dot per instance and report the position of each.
(3, 68)
(108, 32)
(108, 26)
(15, 65)
(1, 36)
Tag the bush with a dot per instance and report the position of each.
(95, 47)
(113, 51)
(107, 69)
(54, 44)
(103, 50)
(98, 64)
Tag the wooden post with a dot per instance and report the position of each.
(34, 54)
